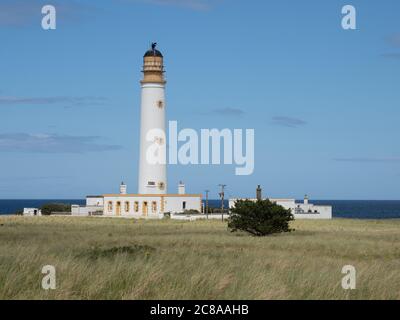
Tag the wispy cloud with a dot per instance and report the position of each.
(32, 178)
(288, 121)
(228, 111)
(394, 40)
(70, 101)
(395, 56)
(17, 13)
(52, 143)
(368, 159)
(198, 5)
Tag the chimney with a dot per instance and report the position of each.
(259, 193)
(122, 188)
(181, 188)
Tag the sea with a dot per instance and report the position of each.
(354, 209)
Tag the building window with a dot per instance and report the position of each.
(154, 206)
(110, 206)
(159, 140)
(184, 205)
(127, 206)
(144, 208)
(136, 206)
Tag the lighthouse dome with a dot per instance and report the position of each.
(153, 52)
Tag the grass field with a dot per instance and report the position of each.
(100, 258)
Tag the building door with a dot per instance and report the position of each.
(145, 208)
(118, 208)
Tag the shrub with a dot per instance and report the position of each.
(49, 208)
(192, 211)
(259, 218)
(167, 215)
(189, 212)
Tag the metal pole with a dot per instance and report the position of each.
(222, 195)
(207, 191)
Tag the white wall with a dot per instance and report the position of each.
(77, 210)
(199, 217)
(31, 212)
(174, 204)
(286, 203)
(322, 212)
(94, 201)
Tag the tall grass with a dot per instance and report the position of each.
(101, 258)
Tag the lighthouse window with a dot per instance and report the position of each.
(161, 185)
(151, 183)
(159, 140)
(136, 206)
(127, 206)
(160, 104)
(154, 206)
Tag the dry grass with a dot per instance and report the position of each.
(100, 258)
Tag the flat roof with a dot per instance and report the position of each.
(152, 195)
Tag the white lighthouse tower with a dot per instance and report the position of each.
(153, 173)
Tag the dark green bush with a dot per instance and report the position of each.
(49, 208)
(259, 218)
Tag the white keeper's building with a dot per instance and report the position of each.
(300, 210)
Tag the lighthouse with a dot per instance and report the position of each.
(152, 200)
(152, 174)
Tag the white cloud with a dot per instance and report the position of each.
(369, 159)
(198, 5)
(51, 143)
(71, 101)
(288, 121)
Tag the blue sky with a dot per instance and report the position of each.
(324, 102)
